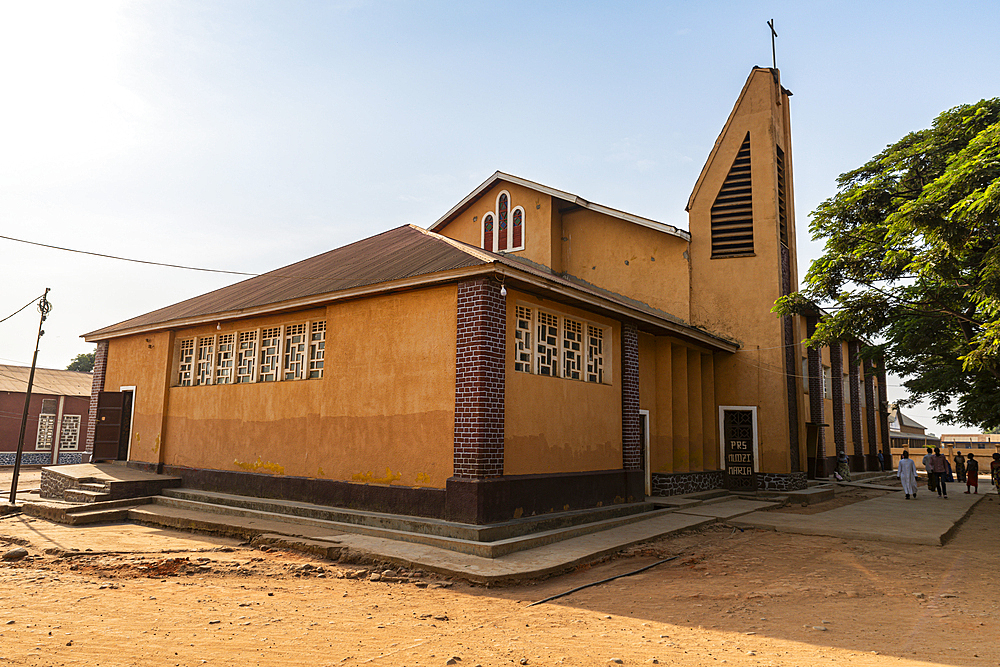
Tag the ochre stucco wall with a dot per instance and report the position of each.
(382, 413)
(623, 257)
(554, 424)
(141, 361)
(467, 226)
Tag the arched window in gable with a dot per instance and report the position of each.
(503, 231)
(488, 231)
(517, 229)
(503, 203)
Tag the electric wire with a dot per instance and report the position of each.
(604, 581)
(21, 308)
(127, 259)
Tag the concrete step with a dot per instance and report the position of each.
(414, 524)
(70, 514)
(93, 486)
(85, 496)
(247, 522)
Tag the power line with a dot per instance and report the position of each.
(21, 308)
(127, 259)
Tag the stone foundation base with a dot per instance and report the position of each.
(773, 481)
(673, 484)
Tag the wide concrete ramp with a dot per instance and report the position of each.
(889, 518)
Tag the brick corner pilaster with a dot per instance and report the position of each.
(480, 380)
(631, 446)
(96, 387)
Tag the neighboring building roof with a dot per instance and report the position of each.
(900, 420)
(400, 258)
(14, 379)
(567, 197)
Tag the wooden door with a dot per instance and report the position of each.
(108, 430)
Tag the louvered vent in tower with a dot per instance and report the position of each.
(782, 199)
(732, 212)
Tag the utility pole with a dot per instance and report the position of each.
(43, 307)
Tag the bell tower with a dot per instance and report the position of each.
(741, 219)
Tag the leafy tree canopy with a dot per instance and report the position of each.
(912, 262)
(83, 363)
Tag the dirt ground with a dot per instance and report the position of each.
(145, 596)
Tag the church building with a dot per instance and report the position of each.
(529, 352)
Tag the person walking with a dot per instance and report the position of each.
(972, 474)
(907, 475)
(926, 462)
(939, 468)
(995, 471)
(959, 466)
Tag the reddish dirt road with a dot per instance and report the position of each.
(145, 596)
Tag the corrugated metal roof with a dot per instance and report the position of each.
(404, 252)
(47, 381)
(401, 253)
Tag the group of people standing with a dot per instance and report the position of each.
(939, 472)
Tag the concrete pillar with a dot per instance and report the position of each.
(679, 377)
(696, 416)
(710, 421)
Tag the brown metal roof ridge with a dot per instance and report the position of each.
(558, 194)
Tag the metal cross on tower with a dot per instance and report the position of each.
(774, 63)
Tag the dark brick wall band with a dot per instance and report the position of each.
(837, 391)
(854, 379)
(631, 447)
(96, 387)
(480, 380)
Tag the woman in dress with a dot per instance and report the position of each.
(960, 467)
(907, 474)
(995, 471)
(972, 474)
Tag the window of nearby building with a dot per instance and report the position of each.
(559, 346)
(502, 229)
(827, 382)
(69, 432)
(46, 427)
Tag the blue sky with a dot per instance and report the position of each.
(248, 135)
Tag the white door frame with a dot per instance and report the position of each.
(131, 419)
(644, 417)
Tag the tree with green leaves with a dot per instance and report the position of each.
(912, 263)
(84, 363)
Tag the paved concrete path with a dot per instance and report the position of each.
(888, 518)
